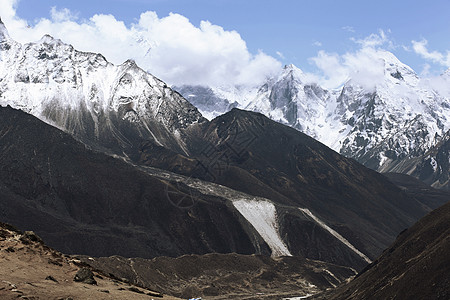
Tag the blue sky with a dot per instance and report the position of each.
(417, 32)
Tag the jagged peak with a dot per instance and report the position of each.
(294, 72)
(446, 73)
(393, 65)
(292, 68)
(3, 31)
(48, 39)
(130, 63)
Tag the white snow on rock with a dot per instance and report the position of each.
(62, 86)
(263, 216)
(396, 116)
(335, 234)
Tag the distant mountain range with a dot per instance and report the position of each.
(388, 124)
(147, 175)
(391, 125)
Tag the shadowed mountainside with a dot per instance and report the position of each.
(416, 266)
(85, 202)
(251, 153)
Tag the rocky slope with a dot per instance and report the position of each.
(415, 188)
(85, 202)
(31, 270)
(304, 179)
(89, 203)
(416, 266)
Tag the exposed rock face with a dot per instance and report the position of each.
(85, 275)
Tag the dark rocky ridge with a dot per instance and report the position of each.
(415, 188)
(416, 266)
(98, 200)
(251, 153)
(86, 202)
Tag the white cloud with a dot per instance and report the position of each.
(171, 47)
(348, 28)
(375, 40)
(425, 71)
(317, 44)
(434, 56)
(330, 64)
(365, 66)
(281, 55)
(62, 15)
(441, 84)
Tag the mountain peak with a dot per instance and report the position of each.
(447, 73)
(394, 67)
(4, 36)
(294, 72)
(292, 68)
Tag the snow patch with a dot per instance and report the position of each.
(335, 234)
(299, 298)
(262, 215)
(433, 164)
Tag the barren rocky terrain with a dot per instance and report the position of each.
(31, 270)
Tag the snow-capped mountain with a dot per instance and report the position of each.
(206, 100)
(400, 117)
(215, 101)
(98, 102)
(379, 122)
(290, 99)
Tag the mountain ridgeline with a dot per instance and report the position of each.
(106, 160)
(393, 123)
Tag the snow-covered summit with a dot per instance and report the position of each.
(400, 117)
(82, 93)
(4, 36)
(382, 114)
(289, 98)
